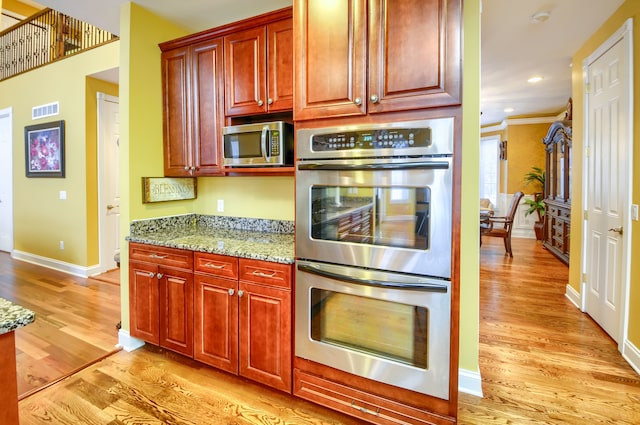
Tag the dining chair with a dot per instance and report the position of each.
(501, 226)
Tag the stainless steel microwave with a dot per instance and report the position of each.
(268, 144)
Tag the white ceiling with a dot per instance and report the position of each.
(513, 48)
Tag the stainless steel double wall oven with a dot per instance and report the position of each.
(373, 247)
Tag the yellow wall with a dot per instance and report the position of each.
(524, 150)
(630, 8)
(470, 243)
(20, 8)
(41, 219)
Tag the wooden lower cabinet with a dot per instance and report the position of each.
(368, 400)
(161, 297)
(243, 320)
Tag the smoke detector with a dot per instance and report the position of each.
(540, 17)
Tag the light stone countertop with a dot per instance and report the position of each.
(13, 316)
(266, 240)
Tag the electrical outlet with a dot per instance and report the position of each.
(220, 205)
(63, 194)
(61, 245)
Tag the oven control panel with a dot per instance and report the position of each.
(395, 138)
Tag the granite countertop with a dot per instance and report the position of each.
(268, 240)
(13, 316)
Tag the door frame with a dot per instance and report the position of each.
(625, 35)
(7, 113)
(103, 256)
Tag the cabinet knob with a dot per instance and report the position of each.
(193, 168)
(240, 293)
(231, 292)
(160, 276)
(270, 101)
(151, 275)
(357, 101)
(186, 168)
(260, 102)
(374, 98)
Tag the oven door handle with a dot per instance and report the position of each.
(430, 165)
(425, 287)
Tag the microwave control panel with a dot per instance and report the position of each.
(396, 138)
(274, 145)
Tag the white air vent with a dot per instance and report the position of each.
(47, 110)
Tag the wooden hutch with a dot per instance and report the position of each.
(557, 222)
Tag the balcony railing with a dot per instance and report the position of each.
(45, 37)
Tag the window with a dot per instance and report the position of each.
(489, 168)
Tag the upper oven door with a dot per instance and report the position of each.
(386, 214)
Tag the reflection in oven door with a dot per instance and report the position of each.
(392, 328)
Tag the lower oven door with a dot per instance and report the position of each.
(388, 327)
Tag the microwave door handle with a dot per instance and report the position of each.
(430, 165)
(263, 142)
(425, 287)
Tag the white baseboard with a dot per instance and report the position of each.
(55, 264)
(573, 296)
(631, 354)
(127, 342)
(470, 382)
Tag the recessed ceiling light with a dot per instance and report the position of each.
(535, 79)
(507, 110)
(538, 18)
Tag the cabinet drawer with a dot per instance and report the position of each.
(216, 264)
(170, 257)
(265, 272)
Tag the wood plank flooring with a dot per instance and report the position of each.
(74, 326)
(542, 362)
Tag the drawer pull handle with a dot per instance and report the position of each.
(213, 266)
(364, 409)
(161, 257)
(260, 274)
(160, 276)
(240, 293)
(231, 292)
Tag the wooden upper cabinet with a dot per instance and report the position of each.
(193, 93)
(330, 58)
(259, 69)
(176, 88)
(366, 57)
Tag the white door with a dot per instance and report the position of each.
(608, 196)
(6, 181)
(108, 171)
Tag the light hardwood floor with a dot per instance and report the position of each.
(75, 321)
(542, 362)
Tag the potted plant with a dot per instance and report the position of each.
(536, 204)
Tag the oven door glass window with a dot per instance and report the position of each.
(380, 328)
(387, 216)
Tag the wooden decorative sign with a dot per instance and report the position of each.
(160, 189)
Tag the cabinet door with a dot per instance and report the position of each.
(280, 62)
(245, 72)
(414, 54)
(176, 97)
(176, 310)
(143, 302)
(216, 322)
(331, 58)
(265, 335)
(207, 110)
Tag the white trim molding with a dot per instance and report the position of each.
(127, 342)
(631, 354)
(573, 296)
(470, 382)
(50, 263)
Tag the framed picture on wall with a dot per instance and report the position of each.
(44, 149)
